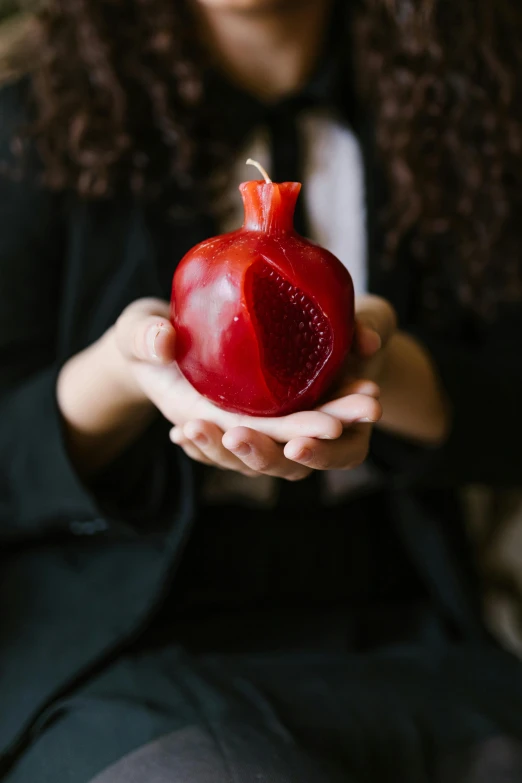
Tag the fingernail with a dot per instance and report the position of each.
(152, 339)
(305, 455)
(365, 421)
(242, 450)
(176, 435)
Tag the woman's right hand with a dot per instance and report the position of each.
(146, 340)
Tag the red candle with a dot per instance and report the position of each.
(264, 318)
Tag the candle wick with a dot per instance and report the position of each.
(261, 170)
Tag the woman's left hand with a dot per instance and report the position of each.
(255, 454)
(251, 452)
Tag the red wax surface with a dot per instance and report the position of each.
(264, 318)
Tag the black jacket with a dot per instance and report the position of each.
(81, 568)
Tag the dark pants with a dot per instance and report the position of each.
(405, 715)
(295, 672)
(179, 758)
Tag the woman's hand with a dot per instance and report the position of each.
(413, 403)
(146, 340)
(108, 394)
(375, 326)
(245, 449)
(248, 451)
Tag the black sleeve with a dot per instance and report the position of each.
(482, 378)
(39, 488)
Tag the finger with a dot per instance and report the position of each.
(191, 406)
(143, 331)
(367, 342)
(261, 454)
(176, 436)
(192, 451)
(345, 453)
(375, 314)
(312, 424)
(343, 387)
(208, 439)
(354, 408)
(362, 386)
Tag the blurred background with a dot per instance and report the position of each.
(18, 37)
(495, 518)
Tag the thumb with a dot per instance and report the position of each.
(144, 332)
(376, 321)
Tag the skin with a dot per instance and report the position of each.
(389, 378)
(241, 33)
(135, 376)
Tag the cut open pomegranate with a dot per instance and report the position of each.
(294, 336)
(264, 318)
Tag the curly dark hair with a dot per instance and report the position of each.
(120, 101)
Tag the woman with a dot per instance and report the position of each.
(163, 620)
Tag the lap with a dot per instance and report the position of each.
(235, 752)
(163, 715)
(185, 756)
